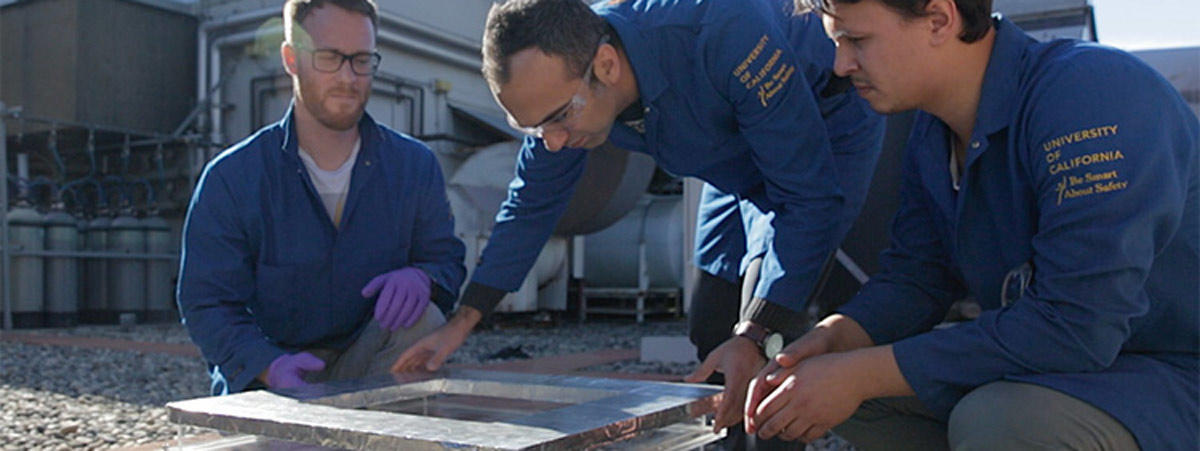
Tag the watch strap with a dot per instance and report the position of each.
(749, 329)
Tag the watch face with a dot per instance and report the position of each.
(772, 345)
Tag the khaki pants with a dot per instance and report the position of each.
(995, 416)
(375, 350)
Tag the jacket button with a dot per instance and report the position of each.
(974, 144)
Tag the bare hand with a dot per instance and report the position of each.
(816, 342)
(430, 352)
(808, 399)
(738, 359)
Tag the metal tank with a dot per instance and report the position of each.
(127, 276)
(646, 241)
(611, 185)
(545, 287)
(94, 306)
(62, 273)
(26, 233)
(160, 304)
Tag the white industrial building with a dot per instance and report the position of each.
(208, 73)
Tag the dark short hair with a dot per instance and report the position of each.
(976, 13)
(564, 28)
(295, 11)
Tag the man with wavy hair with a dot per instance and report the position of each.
(1056, 183)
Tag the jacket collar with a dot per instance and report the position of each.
(998, 98)
(368, 133)
(643, 57)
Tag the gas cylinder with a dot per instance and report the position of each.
(95, 307)
(127, 276)
(26, 232)
(62, 273)
(160, 303)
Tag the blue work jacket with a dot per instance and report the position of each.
(1082, 169)
(737, 93)
(720, 241)
(264, 271)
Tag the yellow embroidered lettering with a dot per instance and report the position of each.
(766, 68)
(751, 57)
(765, 94)
(1090, 177)
(1084, 160)
(1108, 187)
(1073, 187)
(1080, 136)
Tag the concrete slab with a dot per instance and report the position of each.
(669, 349)
(186, 350)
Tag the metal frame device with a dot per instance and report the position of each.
(459, 409)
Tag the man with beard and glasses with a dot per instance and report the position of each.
(738, 93)
(1056, 183)
(313, 248)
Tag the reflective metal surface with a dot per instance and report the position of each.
(455, 409)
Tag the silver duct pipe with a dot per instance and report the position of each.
(4, 247)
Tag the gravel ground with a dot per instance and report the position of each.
(55, 397)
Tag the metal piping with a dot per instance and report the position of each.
(392, 39)
(463, 53)
(96, 255)
(5, 252)
(385, 18)
(201, 68)
(239, 19)
(204, 48)
(87, 125)
(423, 48)
(216, 127)
(409, 26)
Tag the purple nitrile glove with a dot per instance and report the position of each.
(403, 296)
(287, 371)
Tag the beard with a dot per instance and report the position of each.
(329, 112)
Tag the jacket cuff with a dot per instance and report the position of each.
(443, 299)
(789, 323)
(481, 297)
(866, 317)
(242, 372)
(442, 295)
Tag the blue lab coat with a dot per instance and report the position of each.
(738, 94)
(264, 271)
(720, 241)
(1082, 165)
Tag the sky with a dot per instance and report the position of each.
(1148, 24)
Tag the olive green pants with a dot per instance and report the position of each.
(375, 350)
(996, 416)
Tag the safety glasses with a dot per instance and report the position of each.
(561, 118)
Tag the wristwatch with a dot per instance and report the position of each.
(770, 342)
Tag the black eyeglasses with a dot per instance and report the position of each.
(330, 60)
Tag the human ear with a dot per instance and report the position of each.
(607, 67)
(943, 20)
(287, 55)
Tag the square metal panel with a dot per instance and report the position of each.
(455, 409)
